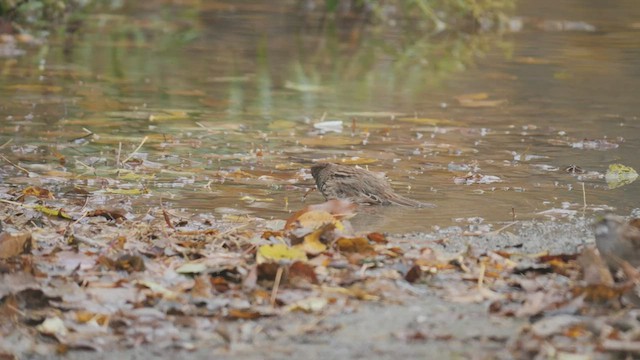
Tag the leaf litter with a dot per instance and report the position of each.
(89, 270)
(123, 277)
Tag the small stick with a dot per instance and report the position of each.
(276, 285)
(496, 232)
(483, 269)
(17, 166)
(584, 196)
(136, 150)
(118, 156)
(7, 143)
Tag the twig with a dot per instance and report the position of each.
(496, 232)
(118, 155)
(136, 150)
(276, 285)
(483, 269)
(17, 166)
(7, 143)
(584, 196)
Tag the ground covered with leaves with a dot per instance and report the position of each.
(77, 280)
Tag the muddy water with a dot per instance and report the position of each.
(228, 95)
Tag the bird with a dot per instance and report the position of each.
(618, 240)
(357, 185)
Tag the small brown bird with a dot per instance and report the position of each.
(357, 185)
(618, 239)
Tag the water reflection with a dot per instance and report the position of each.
(228, 99)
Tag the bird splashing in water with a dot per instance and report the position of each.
(358, 185)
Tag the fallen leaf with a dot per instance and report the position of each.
(36, 191)
(355, 245)
(279, 252)
(14, 244)
(619, 175)
(309, 305)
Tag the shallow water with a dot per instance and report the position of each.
(228, 96)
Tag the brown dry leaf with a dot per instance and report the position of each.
(355, 245)
(482, 103)
(242, 314)
(196, 232)
(311, 220)
(36, 191)
(478, 100)
(330, 141)
(14, 244)
(126, 262)
(201, 287)
(602, 293)
(114, 214)
(301, 274)
(84, 316)
(414, 274)
(594, 270)
(377, 238)
(339, 208)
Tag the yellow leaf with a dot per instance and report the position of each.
(281, 125)
(357, 161)
(315, 219)
(473, 96)
(52, 212)
(619, 175)
(38, 192)
(35, 88)
(133, 176)
(279, 252)
(432, 122)
(126, 191)
(312, 244)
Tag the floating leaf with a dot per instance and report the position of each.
(126, 191)
(619, 175)
(357, 161)
(281, 125)
(279, 252)
(35, 88)
(329, 141)
(305, 88)
(134, 176)
(430, 121)
(329, 126)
